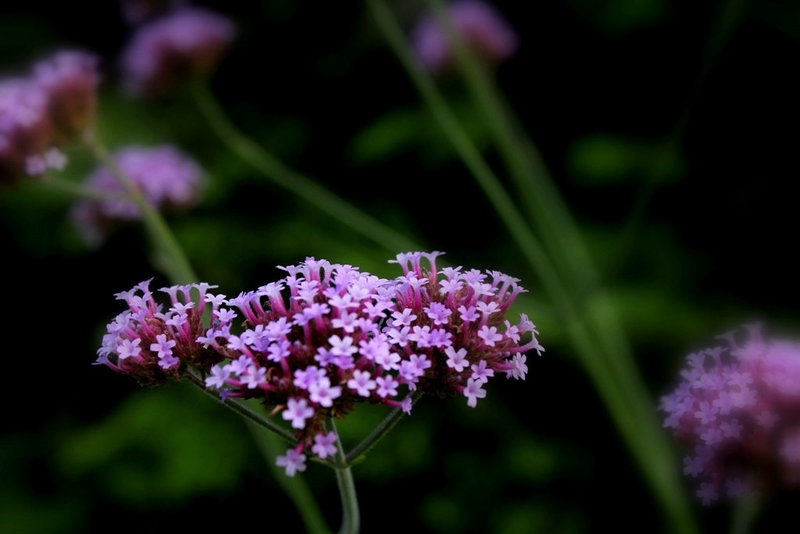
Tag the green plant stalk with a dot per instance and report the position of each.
(651, 453)
(351, 517)
(241, 408)
(296, 183)
(548, 212)
(729, 15)
(525, 166)
(356, 453)
(295, 487)
(77, 190)
(171, 258)
(744, 513)
(179, 270)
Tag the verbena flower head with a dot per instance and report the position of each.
(69, 78)
(737, 410)
(480, 26)
(169, 180)
(327, 336)
(40, 111)
(24, 125)
(186, 43)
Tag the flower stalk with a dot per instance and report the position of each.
(383, 428)
(80, 191)
(561, 262)
(171, 257)
(305, 188)
(296, 488)
(241, 408)
(351, 517)
(179, 270)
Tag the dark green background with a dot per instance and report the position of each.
(695, 102)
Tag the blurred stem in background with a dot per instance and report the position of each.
(561, 261)
(298, 184)
(169, 256)
(728, 16)
(294, 487)
(744, 514)
(48, 180)
(172, 261)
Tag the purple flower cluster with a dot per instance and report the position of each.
(482, 27)
(55, 102)
(186, 43)
(327, 336)
(168, 179)
(737, 410)
(152, 344)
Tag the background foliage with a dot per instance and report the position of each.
(669, 126)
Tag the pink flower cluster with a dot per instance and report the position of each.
(44, 109)
(168, 179)
(737, 409)
(481, 26)
(328, 336)
(185, 43)
(154, 345)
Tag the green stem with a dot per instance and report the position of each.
(295, 487)
(547, 211)
(77, 190)
(172, 259)
(296, 183)
(524, 163)
(351, 517)
(179, 270)
(240, 407)
(372, 439)
(508, 212)
(729, 15)
(544, 206)
(744, 514)
(600, 343)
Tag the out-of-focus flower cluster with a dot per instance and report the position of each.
(482, 28)
(327, 336)
(737, 409)
(167, 178)
(44, 109)
(183, 44)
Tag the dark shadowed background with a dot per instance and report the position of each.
(670, 127)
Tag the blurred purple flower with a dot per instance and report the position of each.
(24, 126)
(40, 112)
(69, 79)
(168, 179)
(737, 410)
(184, 44)
(480, 26)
